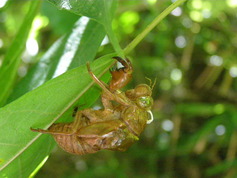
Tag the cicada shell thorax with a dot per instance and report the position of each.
(136, 119)
(137, 116)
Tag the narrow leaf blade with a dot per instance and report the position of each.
(74, 49)
(12, 59)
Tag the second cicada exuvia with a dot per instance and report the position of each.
(117, 126)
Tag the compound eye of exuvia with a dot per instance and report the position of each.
(145, 101)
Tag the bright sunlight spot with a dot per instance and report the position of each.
(180, 41)
(216, 60)
(232, 3)
(206, 13)
(197, 4)
(151, 2)
(32, 46)
(220, 130)
(167, 125)
(176, 75)
(177, 11)
(196, 16)
(3, 3)
(233, 71)
(129, 19)
(38, 23)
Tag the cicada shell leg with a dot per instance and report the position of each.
(122, 76)
(112, 95)
(78, 122)
(52, 132)
(100, 83)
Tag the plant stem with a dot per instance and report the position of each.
(114, 41)
(151, 26)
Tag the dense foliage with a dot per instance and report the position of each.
(191, 54)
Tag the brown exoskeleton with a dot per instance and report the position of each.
(115, 127)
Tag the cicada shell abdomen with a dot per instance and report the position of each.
(72, 143)
(65, 134)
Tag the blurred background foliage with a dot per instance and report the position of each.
(192, 56)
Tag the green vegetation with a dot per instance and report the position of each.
(188, 47)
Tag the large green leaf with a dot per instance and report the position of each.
(81, 44)
(100, 10)
(12, 58)
(74, 49)
(40, 108)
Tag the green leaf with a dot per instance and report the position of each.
(100, 10)
(39, 109)
(74, 49)
(12, 59)
(23, 165)
(200, 109)
(82, 44)
(221, 167)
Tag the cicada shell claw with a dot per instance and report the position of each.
(122, 76)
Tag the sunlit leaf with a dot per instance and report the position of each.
(100, 10)
(68, 52)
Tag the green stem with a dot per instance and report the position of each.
(152, 25)
(114, 41)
